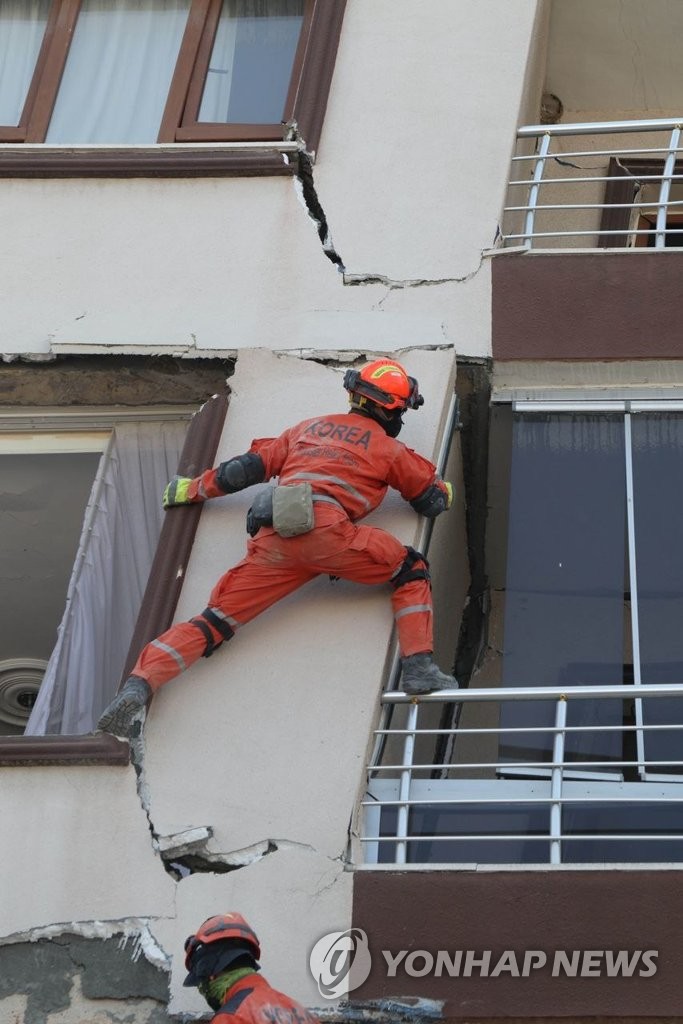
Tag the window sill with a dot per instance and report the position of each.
(33, 751)
(242, 159)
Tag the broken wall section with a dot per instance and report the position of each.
(267, 741)
(258, 753)
(72, 979)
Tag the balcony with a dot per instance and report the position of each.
(585, 775)
(595, 186)
(590, 251)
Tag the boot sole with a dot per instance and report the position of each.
(120, 720)
(420, 691)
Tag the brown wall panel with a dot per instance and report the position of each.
(519, 911)
(588, 305)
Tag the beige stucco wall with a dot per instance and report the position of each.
(411, 172)
(265, 744)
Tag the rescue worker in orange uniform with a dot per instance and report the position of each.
(222, 960)
(345, 462)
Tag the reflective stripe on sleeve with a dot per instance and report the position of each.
(412, 610)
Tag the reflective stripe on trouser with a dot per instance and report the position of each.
(277, 566)
(171, 653)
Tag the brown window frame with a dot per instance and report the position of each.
(158, 606)
(619, 193)
(305, 103)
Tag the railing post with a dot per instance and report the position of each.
(556, 782)
(665, 187)
(633, 589)
(534, 190)
(404, 787)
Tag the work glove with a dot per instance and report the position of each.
(177, 492)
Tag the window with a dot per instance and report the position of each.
(87, 72)
(46, 483)
(630, 204)
(588, 597)
(81, 519)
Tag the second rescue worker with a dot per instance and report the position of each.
(333, 470)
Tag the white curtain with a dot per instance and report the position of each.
(22, 26)
(251, 62)
(118, 71)
(119, 538)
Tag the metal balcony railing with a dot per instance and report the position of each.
(531, 775)
(616, 184)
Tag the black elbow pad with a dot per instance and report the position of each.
(431, 503)
(240, 472)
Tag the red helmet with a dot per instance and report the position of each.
(385, 383)
(198, 959)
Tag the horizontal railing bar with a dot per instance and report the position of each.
(516, 836)
(530, 131)
(427, 801)
(592, 206)
(549, 729)
(562, 154)
(501, 766)
(545, 693)
(595, 231)
(591, 179)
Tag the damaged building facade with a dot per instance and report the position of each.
(488, 190)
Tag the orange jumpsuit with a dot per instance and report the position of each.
(350, 462)
(251, 1000)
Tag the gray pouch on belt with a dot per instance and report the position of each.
(293, 509)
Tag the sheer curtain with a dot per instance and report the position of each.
(251, 62)
(566, 570)
(120, 533)
(118, 71)
(658, 496)
(22, 26)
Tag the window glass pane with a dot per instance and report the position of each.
(22, 26)
(119, 535)
(41, 515)
(251, 63)
(503, 835)
(589, 821)
(564, 605)
(658, 504)
(118, 71)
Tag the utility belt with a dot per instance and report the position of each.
(288, 508)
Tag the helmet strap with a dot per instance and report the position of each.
(390, 421)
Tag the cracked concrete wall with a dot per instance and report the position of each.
(411, 173)
(253, 761)
(267, 739)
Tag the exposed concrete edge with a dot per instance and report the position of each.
(137, 929)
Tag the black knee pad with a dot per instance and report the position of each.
(220, 625)
(415, 567)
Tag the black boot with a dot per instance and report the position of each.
(422, 675)
(126, 707)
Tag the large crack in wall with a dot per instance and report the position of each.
(309, 196)
(120, 960)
